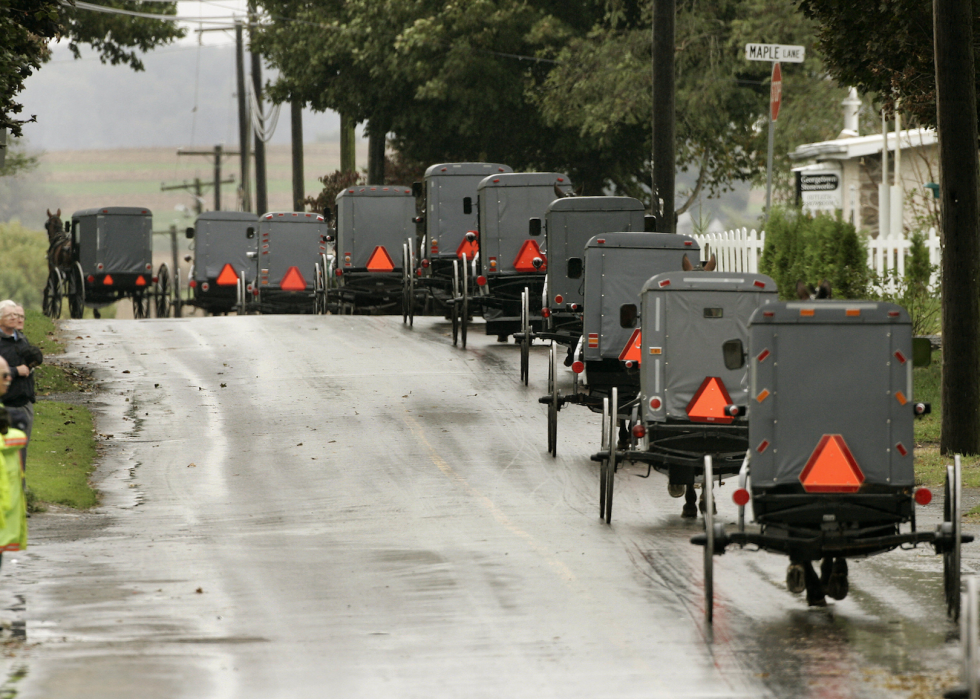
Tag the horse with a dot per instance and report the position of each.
(59, 243)
(806, 292)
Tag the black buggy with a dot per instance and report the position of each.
(616, 267)
(686, 407)
(112, 250)
(222, 243)
(568, 225)
(506, 265)
(829, 467)
(374, 225)
(288, 272)
(446, 208)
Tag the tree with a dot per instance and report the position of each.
(28, 25)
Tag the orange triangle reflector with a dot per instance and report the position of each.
(708, 404)
(631, 352)
(293, 280)
(228, 276)
(524, 262)
(469, 247)
(380, 261)
(831, 468)
(140, 281)
(107, 280)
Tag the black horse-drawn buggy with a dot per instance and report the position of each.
(374, 226)
(829, 469)
(107, 255)
(222, 243)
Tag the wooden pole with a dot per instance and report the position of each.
(296, 121)
(243, 125)
(662, 206)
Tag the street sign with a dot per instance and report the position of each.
(775, 90)
(775, 52)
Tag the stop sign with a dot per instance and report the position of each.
(775, 91)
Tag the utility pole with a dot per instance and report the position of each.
(196, 186)
(296, 119)
(243, 123)
(376, 151)
(348, 143)
(956, 113)
(218, 153)
(662, 205)
(261, 193)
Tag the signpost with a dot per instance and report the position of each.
(774, 53)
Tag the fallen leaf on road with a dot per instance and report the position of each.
(125, 371)
(199, 590)
(300, 444)
(191, 465)
(224, 385)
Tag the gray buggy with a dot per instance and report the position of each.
(506, 263)
(222, 243)
(289, 274)
(829, 467)
(568, 225)
(685, 409)
(112, 249)
(446, 208)
(617, 265)
(374, 225)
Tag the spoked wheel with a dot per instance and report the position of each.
(464, 314)
(411, 293)
(709, 547)
(140, 306)
(76, 292)
(162, 292)
(611, 466)
(525, 336)
(605, 462)
(406, 275)
(455, 308)
(52, 294)
(952, 526)
(553, 404)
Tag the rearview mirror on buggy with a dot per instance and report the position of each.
(649, 224)
(534, 226)
(734, 354)
(417, 189)
(921, 351)
(250, 233)
(189, 232)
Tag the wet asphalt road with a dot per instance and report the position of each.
(341, 507)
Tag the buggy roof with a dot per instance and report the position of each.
(113, 211)
(666, 241)
(465, 169)
(524, 179)
(389, 191)
(595, 204)
(831, 311)
(292, 217)
(228, 216)
(697, 280)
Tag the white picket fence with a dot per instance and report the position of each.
(740, 250)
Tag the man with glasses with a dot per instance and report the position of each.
(22, 357)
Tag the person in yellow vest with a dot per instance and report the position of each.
(13, 506)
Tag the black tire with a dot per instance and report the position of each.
(76, 292)
(952, 521)
(162, 295)
(51, 303)
(611, 468)
(406, 276)
(709, 547)
(525, 338)
(140, 306)
(464, 315)
(553, 404)
(411, 299)
(604, 464)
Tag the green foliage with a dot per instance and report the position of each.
(61, 457)
(809, 249)
(913, 290)
(23, 264)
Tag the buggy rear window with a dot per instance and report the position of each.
(714, 312)
(467, 205)
(627, 315)
(574, 267)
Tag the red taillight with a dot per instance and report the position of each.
(90, 278)
(192, 283)
(205, 286)
(156, 280)
(741, 497)
(639, 431)
(655, 403)
(255, 291)
(149, 267)
(418, 273)
(578, 367)
(425, 263)
(481, 280)
(559, 298)
(340, 272)
(923, 496)
(100, 267)
(545, 312)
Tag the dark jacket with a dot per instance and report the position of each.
(21, 391)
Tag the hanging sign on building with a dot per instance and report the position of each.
(819, 188)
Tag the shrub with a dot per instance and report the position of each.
(913, 290)
(805, 248)
(23, 264)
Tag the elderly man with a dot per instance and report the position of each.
(13, 506)
(22, 357)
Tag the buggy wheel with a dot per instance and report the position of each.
(162, 292)
(411, 298)
(604, 444)
(611, 467)
(525, 336)
(52, 294)
(709, 546)
(140, 306)
(952, 525)
(76, 291)
(553, 405)
(455, 309)
(463, 316)
(406, 275)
